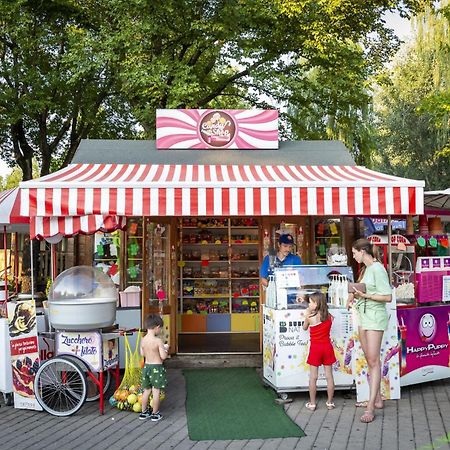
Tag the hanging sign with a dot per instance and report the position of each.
(216, 129)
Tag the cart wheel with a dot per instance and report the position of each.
(92, 388)
(283, 396)
(8, 397)
(60, 387)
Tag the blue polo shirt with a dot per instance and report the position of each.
(290, 260)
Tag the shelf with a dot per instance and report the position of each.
(223, 261)
(244, 278)
(199, 244)
(244, 260)
(328, 237)
(206, 278)
(236, 241)
(206, 228)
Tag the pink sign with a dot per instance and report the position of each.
(424, 337)
(216, 129)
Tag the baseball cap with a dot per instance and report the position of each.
(286, 239)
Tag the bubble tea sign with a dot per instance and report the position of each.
(216, 129)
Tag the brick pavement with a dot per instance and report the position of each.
(420, 420)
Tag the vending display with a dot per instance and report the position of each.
(286, 344)
(431, 278)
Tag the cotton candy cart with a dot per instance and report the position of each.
(82, 311)
(83, 366)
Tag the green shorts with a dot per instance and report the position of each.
(154, 375)
(372, 318)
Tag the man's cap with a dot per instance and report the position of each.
(286, 239)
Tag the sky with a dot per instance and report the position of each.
(400, 26)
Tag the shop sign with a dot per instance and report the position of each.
(216, 129)
(395, 239)
(424, 344)
(22, 328)
(87, 345)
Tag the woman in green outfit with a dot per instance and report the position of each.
(372, 317)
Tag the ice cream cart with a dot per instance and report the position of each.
(286, 344)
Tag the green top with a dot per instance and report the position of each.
(377, 282)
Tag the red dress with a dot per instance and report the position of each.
(321, 351)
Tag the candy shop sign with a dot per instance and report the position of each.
(216, 129)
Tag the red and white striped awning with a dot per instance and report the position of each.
(10, 208)
(45, 227)
(219, 190)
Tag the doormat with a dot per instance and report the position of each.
(229, 404)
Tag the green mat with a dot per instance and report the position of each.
(233, 404)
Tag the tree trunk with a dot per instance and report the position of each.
(22, 150)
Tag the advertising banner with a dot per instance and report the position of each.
(389, 355)
(87, 345)
(22, 328)
(424, 334)
(110, 352)
(216, 129)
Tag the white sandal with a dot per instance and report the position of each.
(310, 406)
(330, 405)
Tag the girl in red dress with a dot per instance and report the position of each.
(321, 352)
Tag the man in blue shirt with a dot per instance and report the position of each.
(284, 257)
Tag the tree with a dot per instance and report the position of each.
(72, 69)
(413, 106)
(55, 89)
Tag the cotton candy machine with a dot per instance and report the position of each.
(82, 298)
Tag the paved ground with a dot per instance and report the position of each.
(420, 420)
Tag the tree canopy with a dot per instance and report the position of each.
(74, 69)
(413, 105)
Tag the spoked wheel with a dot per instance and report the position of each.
(60, 387)
(92, 388)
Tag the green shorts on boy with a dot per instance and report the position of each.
(154, 375)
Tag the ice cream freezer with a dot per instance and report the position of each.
(286, 344)
(286, 347)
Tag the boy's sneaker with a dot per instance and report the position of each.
(145, 414)
(156, 417)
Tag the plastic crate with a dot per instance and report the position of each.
(130, 298)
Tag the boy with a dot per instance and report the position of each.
(153, 374)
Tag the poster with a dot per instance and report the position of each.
(389, 355)
(424, 337)
(110, 352)
(22, 329)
